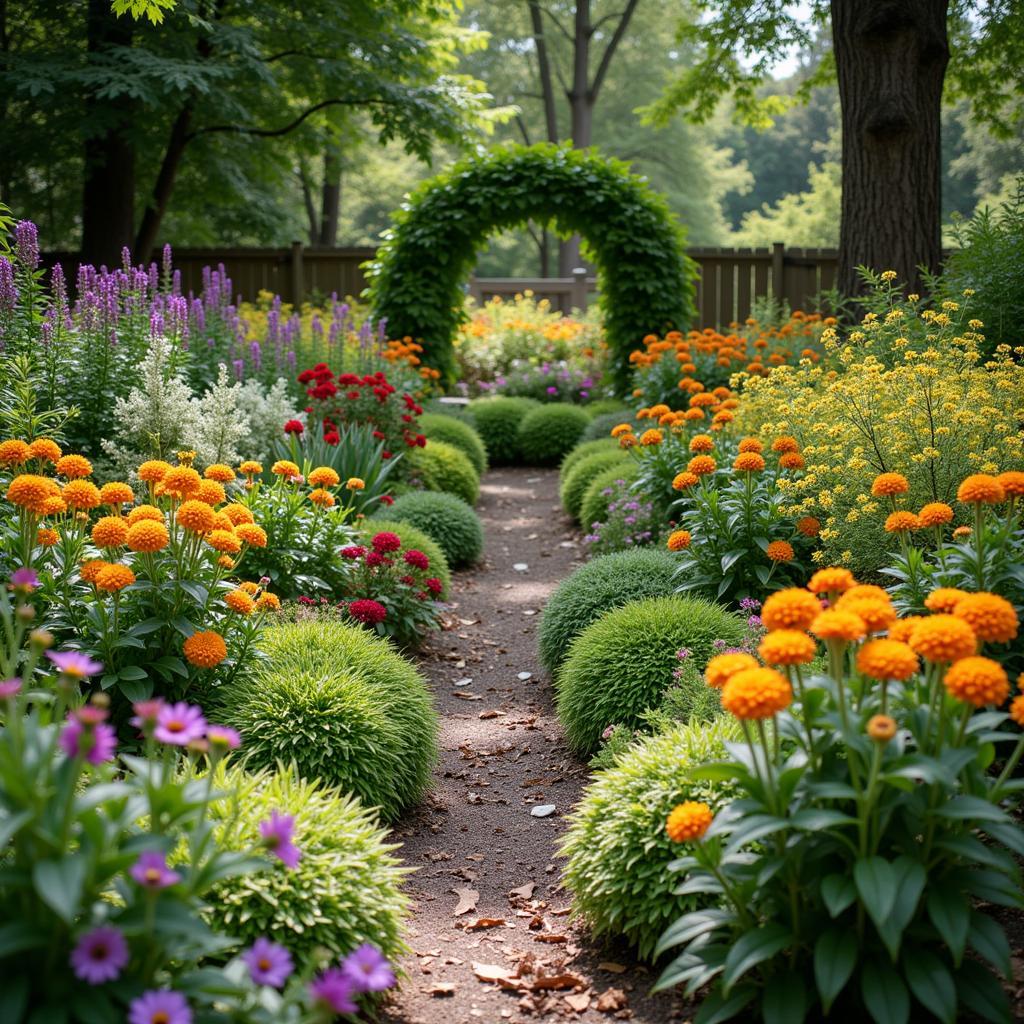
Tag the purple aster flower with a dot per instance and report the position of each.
(85, 735)
(368, 969)
(277, 832)
(333, 989)
(75, 663)
(683, 653)
(268, 963)
(9, 688)
(24, 579)
(223, 736)
(99, 955)
(159, 1006)
(146, 712)
(151, 871)
(179, 724)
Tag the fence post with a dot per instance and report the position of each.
(578, 292)
(297, 276)
(778, 271)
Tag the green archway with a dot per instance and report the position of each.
(645, 278)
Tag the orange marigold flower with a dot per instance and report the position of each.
(787, 647)
(284, 468)
(808, 526)
(147, 535)
(831, 581)
(791, 460)
(943, 638)
(834, 624)
(1012, 483)
(626, 441)
(81, 494)
(1017, 705)
(74, 467)
(31, 492)
(324, 476)
(701, 465)
(703, 399)
(252, 589)
(268, 602)
(46, 537)
(944, 599)
(658, 410)
(239, 601)
(688, 821)
(114, 577)
(780, 551)
(220, 473)
(886, 485)
(210, 492)
(867, 590)
(725, 416)
(621, 428)
(678, 540)
(651, 438)
(223, 522)
(153, 471)
(785, 444)
(141, 512)
(876, 613)
(237, 514)
(961, 533)
(978, 681)
(901, 521)
(253, 535)
(181, 482)
(250, 468)
(792, 608)
(110, 532)
(901, 628)
(44, 449)
(756, 693)
(196, 516)
(14, 452)
(701, 444)
(748, 462)
(91, 569)
(935, 513)
(722, 667)
(682, 481)
(991, 617)
(116, 494)
(981, 489)
(55, 505)
(224, 541)
(205, 649)
(693, 414)
(751, 444)
(226, 562)
(886, 658)
(881, 728)
(322, 498)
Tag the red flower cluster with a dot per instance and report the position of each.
(367, 611)
(293, 427)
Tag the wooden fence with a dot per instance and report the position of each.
(730, 279)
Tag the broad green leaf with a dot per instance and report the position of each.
(986, 937)
(838, 892)
(884, 993)
(717, 1008)
(931, 983)
(970, 808)
(835, 956)
(949, 911)
(59, 884)
(980, 992)
(784, 1000)
(876, 884)
(751, 949)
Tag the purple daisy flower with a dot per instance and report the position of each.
(99, 955)
(223, 736)
(146, 712)
(268, 963)
(86, 735)
(9, 688)
(277, 832)
(24, 579)
(368, 969)
(151, 871)
(180, 724)
(333, 989)
(75, 663)
(159, 1006)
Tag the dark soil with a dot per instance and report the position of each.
(474, 841)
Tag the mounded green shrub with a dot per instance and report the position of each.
(344, 706)
(413, 538)
(621, 664)
(575, 485)
(346, 889)
(598, 586)
(617, 849)
(602, 424)
(550, 432)
(446, 518)
(606, 405)
(497, 422)
(439, 427)
(443, 467)
(582, 450)
(594, 507)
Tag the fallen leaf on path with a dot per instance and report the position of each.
(484, 922)
(469, 622)
(611, 967)
(612, 1000)
(441, 988)
(491, 714)
(580, 1002)
(552, 938)
(524, 891)
(557, 981)
(466, 696)
(492, 972)
(468, 899)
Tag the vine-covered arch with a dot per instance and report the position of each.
(644, 276)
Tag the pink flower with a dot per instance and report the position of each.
(24, 580)
(151, 871)
(268, 963)
(416, 559)
(352, 551)
(74, 663)
(386, 541)
(223, 736)
(334, 989)
(434, 585)
(159, 1006)
(276, 832)
(365, 610)
(180, 724)
(99, 955)
(368, 969)
(9, 688)
(86, 735)
(146, 712)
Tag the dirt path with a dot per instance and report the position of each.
(475, 841)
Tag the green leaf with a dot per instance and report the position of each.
(14, 997)
(931, 983)
(970, 808)
(717, 1007)
(17, 937)
(981, 993)
(838, 892)
(835, 956)
(986, 937)
(949, 911)
(884, 993)
(910, 881)
(132, 672)
(784, 1000)
(876, 886)
(136, 689)
(817, 819)
(59, 884)
(751, 949)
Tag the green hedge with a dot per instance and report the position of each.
(548, 434)
(575, 484)
(448, 519)
(443, 467)
(440, 427)
(594, 507)
(645, 279)
(497, 421)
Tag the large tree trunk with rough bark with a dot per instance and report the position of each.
(108, 193)
(891, 58)
(330, 196)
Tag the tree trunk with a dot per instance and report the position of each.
(108, 193)
(330, 199)
(581, 113)
(153, 215)
(891, 58)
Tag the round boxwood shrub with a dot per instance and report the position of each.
(602, 491)
(581, 451)
(550, 432)
(446, 518)
(344, 706)
(413, 538)
(497, 422)
(575, 485)
(598, 586)
(443, 467)
(601, 425)
(621, 664)
(606, 405)
(617, 849)
(439, 427)
(346, 889)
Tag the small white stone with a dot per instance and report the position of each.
(525, 675)
(463, 682)
(520, 567)
(542, 810)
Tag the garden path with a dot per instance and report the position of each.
(490, 929)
